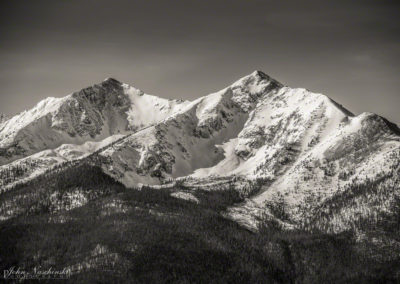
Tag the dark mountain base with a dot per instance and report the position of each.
(147, 236)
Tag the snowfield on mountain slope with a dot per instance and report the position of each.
(38, 163)
(146, 109)
(176, 146)
(289, 117)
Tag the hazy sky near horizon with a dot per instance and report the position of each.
(348, 50)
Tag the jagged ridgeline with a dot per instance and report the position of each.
(256, 173)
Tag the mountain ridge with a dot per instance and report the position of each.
(257, 128)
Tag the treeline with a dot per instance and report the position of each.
(162, 239)
(57, 189)
(364, 205)
(11, 173)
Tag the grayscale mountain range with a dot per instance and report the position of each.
(293, 160)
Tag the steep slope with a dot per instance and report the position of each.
(282, 126)
(362, 150)
(92, 114)
(188, 139)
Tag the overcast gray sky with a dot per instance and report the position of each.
(348, 50)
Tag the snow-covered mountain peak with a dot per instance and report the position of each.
(257, 78)
(112, 81)
(247, 90)
(262, 75)
(91, 114)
